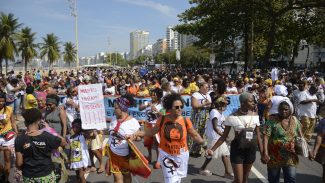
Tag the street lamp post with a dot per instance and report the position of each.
(73, 8)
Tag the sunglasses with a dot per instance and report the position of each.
(179, 107)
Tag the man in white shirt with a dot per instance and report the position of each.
(306, 111)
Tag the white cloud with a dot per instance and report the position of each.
(164, 9)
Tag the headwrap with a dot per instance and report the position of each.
(41, 95)
(268, 82)
(123, 103)
(287, 100)
(280, 90)
(51, 101)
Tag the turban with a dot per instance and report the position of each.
(280, 90)
(123, 103)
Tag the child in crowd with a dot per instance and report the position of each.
(79, 155)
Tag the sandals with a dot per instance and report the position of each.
(205, 172)
(100, 170)
(229, 176)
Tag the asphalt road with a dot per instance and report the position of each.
(307, 172)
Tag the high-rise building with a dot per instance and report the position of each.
(172, 38)
(186, 40)
(159, 47)
(138, 40)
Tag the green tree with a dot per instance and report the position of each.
(8, 27)
(50, 48)
(260, 24)
(26, 45)
(69, 53)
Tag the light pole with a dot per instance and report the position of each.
(73, 8)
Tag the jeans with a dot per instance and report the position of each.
(289, 174)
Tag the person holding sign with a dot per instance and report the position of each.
(173, 129)
(124, 126)
(247, 136)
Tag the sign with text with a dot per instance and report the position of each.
(92, 108)
(233, 104)
(134, 110)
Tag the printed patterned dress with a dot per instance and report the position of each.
(281, 144)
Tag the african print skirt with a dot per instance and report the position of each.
(50, 178)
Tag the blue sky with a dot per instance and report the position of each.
(98, 20)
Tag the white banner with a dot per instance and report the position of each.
(92, 108)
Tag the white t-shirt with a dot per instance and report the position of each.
(309, 109)
(152, 116)
(209, 131)
(110, 90)
(232, 90)
(275, 104)
(120, 146)
(177, 89)
(201, 98)
(241, 122)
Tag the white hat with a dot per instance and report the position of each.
(280, 90)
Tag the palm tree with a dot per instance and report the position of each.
(50, 48)
(26, 45)
(8, 28)
(70, 53)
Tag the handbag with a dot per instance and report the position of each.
(301, 146)
(247, 136)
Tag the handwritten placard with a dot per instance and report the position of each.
(92, 108)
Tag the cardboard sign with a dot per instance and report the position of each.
(92, 108)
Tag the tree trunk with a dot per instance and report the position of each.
(247, 49)
(234, 56)
(294, 54)
(6, 66)
(270, 43)
(0, 66)
(25, 65)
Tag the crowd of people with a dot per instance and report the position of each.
(277, 109)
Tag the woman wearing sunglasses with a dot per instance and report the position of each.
(173, 129)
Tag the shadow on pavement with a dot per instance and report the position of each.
(192, 170)
(205, 181)
(302, 178)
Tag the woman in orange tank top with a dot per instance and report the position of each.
(173, 129)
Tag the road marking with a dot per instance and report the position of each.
(259, 175)
(95, 160)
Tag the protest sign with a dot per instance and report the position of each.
(92, 109)
(233, 104)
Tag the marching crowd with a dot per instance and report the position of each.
(278, 114)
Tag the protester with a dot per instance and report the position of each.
(33, 150)
(173, 130)
(306, 110)
(29, 99)
(214, 131)
(8, 129)
(55, 115)
(154, 110)
(124, 126)
(244, 146)
(318, 153)
(200, 102)
(280, 134)
(79, 156)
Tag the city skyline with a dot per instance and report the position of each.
(98, 20)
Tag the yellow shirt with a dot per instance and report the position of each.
(144, 93)
(5, 124)
(30, 101)
(187, 91)
(194, 87)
